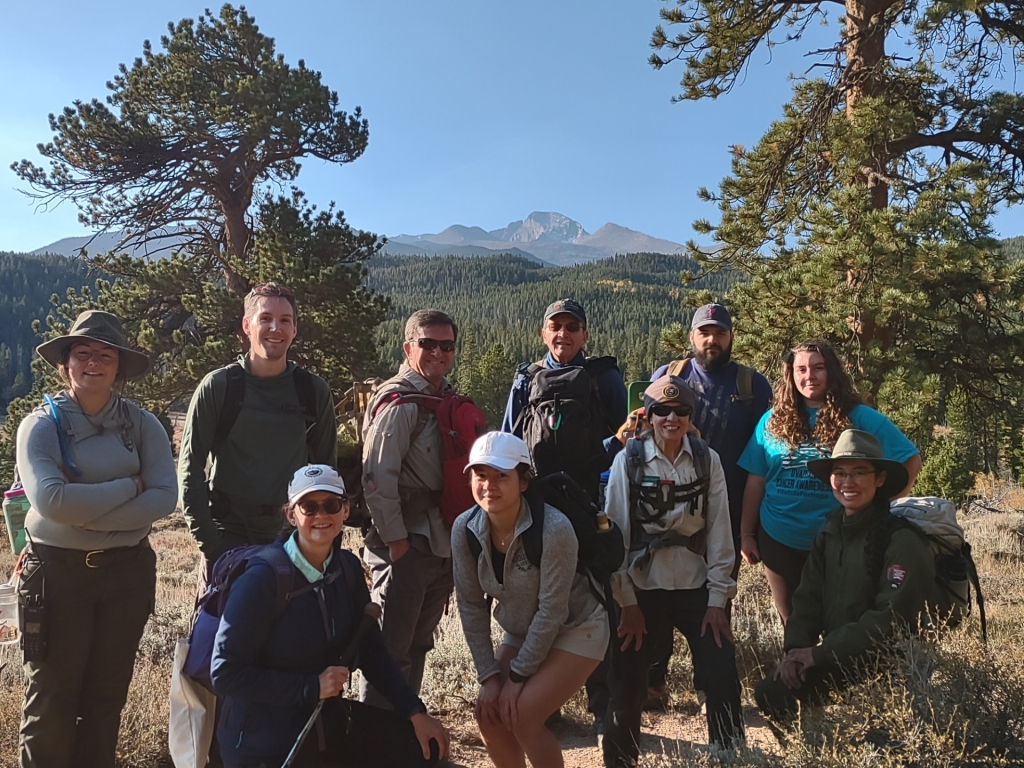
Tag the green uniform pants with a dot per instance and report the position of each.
(96, 610)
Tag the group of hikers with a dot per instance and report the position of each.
(715, 468)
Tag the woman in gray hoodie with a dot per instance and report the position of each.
(555, 630)
(98, 472)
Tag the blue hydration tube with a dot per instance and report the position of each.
(62, 438)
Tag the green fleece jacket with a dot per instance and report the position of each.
(832, 605)
(253, 466)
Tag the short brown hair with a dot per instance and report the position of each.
(425, 318)
(269, 290)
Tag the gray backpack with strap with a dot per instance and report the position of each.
(649, 503)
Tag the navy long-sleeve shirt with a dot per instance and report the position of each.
(267, 668)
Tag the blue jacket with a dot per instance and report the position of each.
(266, 670)
(610, 388)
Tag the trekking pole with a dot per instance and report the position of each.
(371, 615)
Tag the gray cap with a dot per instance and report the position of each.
(566, 306)
(711, 314)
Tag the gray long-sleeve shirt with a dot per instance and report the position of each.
(533, 603)
(100, 509)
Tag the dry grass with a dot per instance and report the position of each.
(953, 702)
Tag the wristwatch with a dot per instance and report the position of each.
(515, 677)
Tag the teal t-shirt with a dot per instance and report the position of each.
(795, 501)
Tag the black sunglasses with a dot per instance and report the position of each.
(446, 345)
(662, 410)
(332, 506)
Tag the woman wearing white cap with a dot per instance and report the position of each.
(556, 631)
(272, 667)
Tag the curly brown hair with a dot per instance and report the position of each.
(790, 420)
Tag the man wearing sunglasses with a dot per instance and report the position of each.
(408, 546)
(257, 420)
(667, 494)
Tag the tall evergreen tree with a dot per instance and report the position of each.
(862, 215)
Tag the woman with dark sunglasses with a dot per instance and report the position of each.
(784, 505)
(272, 669)
(667, 494)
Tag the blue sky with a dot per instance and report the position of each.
(480, 111)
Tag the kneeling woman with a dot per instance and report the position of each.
(867, 575)
(556, 632)
(271, 670)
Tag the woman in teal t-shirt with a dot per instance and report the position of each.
(784, 505)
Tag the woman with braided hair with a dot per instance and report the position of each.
(868, 574)
(784, 504)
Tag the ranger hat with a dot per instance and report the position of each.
(499, 450)
(94, 325)
(711, 314)
(315, 477)
(567, 306)
(669, 389)
(857, 444)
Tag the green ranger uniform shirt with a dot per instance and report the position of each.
(832, 604)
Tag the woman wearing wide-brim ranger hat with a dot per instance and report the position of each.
(868, 576)
(98, 472)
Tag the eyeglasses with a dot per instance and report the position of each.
(271, 289)
(331, 506)
(841, 476)
(573, 327)
(662, 410)
(446, 345)
(102, 356)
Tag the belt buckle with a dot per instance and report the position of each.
(89, 555)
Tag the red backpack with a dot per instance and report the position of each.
(460, 423)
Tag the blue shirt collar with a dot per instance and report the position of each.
(291, 548)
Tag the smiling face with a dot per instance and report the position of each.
(92, 367)
(671, 428)
(320, 529)
(270, 328)
(810, 375)
(497, 491)
(564, 335)
(854, 482)
(432, 364)
(712, 346)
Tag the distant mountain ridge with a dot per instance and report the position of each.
(546, 237)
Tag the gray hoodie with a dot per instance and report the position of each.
(99, 509)
(533, 603)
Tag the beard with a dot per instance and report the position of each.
(715, 361)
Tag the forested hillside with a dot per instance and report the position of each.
(28, 282)
(501, 300)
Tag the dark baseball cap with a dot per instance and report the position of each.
(566, 306)
(711, 314)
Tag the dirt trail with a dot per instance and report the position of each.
(668, 738)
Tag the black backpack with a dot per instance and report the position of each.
(234, 394)
(601, 549)
(563, 422)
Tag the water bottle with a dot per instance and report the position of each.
(16, 506)
(8, 615)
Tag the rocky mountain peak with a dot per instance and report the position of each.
(544, 224)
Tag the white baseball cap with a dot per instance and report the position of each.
(315, 477)
(499, 450)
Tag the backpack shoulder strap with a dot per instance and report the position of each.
(595, 366)
(234, 393)
(635, 460)
(533, 541)
(678, 367)
(701, 457)
(475, 547)
(284, 574)
(303, 381)
(744, 383)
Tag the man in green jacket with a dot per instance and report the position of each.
(867, 576)
(270, 433)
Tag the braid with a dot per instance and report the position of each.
(878, 539)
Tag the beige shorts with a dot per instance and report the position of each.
(589, 639)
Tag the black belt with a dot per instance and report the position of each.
(97, 558)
